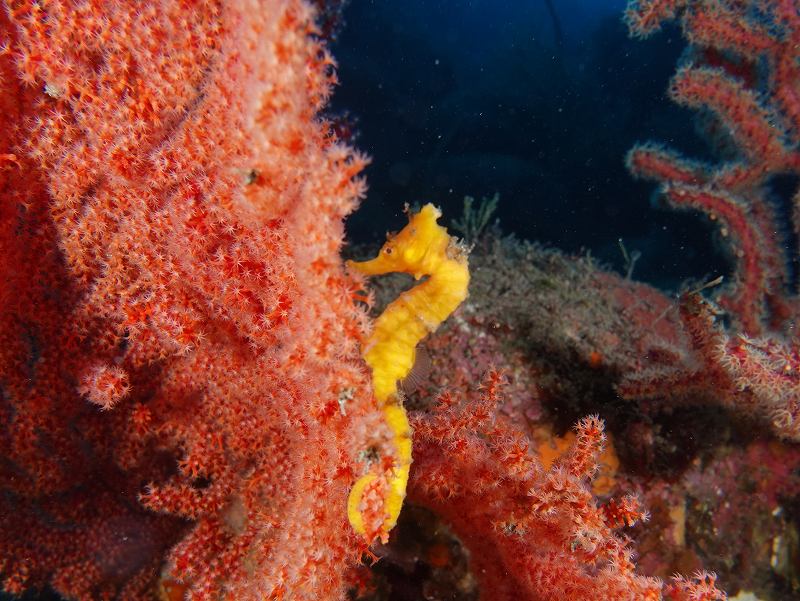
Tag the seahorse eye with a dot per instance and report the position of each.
(388, 251)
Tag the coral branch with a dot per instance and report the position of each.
(742, 72)
(743, 75)
(532, 533)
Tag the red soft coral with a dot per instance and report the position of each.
(532, 533)
(170, 236)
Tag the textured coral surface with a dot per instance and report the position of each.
(180, 368)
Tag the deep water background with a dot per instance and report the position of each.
(482, 96)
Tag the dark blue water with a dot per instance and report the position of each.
(472, 98)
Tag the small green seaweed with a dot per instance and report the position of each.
(474, 219)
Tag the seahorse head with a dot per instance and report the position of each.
(412, 249)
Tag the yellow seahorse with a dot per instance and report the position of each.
(422, 248)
